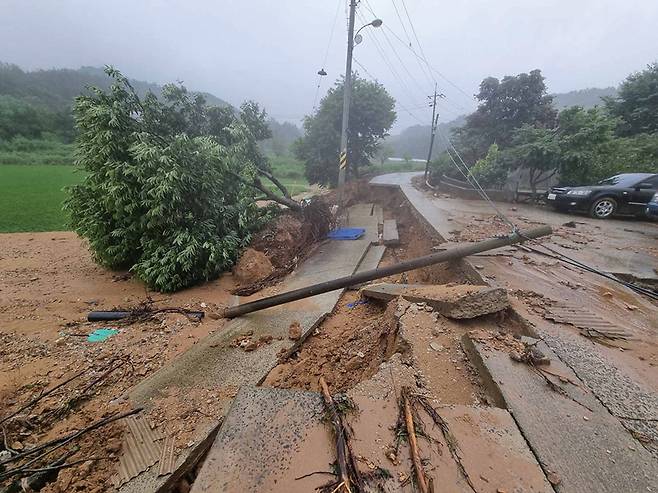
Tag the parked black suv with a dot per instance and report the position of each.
(628, 193)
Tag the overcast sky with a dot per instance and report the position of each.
(270, 50)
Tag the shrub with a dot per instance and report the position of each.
(162, 196)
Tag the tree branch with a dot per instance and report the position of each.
(276, 181)
(288, 202)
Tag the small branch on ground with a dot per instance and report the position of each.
(450, 439)
(58, 443)
(413, 446)
(349, 476)
(41, 396)
(339, 434)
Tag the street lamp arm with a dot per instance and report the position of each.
(374, 23)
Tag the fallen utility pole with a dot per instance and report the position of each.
(370, 275)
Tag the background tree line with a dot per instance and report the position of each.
(517, 125)
(37, 124)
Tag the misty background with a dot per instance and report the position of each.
(270, 51)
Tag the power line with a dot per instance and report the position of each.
(413, 29)
(422, 57)
(397, 102)
(422, 91)
(388, 63)
(422, 68)
(326, 54)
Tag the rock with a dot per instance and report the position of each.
(478, 266)
(435, 346)
(630, 307)
(251, 346)
(294, 331)
(553, 478)
(60, 341)
(458, 301)
(608, 294)
(252, 267)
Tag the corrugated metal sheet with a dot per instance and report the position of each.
(167, 459)
(141, 449)
(591, 324)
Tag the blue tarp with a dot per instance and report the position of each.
(99, 335)
(346, 233)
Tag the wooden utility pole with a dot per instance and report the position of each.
(435, 119)
(347, 95)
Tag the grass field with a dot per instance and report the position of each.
(290, 172)
(31, 197)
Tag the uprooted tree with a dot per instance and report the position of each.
(170, 183)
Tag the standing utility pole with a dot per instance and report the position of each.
(435, 119)
(347, 95)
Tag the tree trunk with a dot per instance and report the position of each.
(276, 181)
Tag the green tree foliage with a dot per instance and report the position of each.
(372, 114)
(489, 171)
(170, 183)
(19, 118)
(637, 102)
(505, 105)
(582, 145)
(535, 149)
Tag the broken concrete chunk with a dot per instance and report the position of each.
(459, 301)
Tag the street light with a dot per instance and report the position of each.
(352, 39)
(358, 38)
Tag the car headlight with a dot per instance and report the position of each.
(655, 197)
(579, 192)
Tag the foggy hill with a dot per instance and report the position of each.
(55, 89)
(414, 141)
(587, 98)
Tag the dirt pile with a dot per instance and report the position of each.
(347, 348)
(282, 245)
(253, 266)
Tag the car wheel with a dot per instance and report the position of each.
(603, 208)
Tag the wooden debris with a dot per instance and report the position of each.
(52, 445)
(41, 396)
(349, 479)
(413, 446)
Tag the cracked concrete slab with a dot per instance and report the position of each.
(572, 435)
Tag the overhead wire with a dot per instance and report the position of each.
(427, 74)
(403, 85)
(326, 54)
(422, 56)
(472, 180)
(397, 102)
(395, 52)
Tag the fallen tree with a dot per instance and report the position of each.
(170, 183)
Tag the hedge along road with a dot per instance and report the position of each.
(31, 197)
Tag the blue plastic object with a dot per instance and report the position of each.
(100, 335)
(346, 233)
